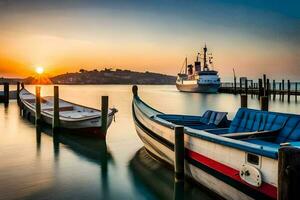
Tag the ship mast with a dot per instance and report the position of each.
(185, 65)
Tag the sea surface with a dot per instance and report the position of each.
(34, 165)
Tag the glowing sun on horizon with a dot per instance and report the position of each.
(39, 70)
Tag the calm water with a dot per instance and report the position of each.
(36, 166)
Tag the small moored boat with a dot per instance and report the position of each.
(77, 118)
(238, 159)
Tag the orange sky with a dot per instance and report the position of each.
(65, 40)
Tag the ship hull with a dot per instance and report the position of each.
(199, 88)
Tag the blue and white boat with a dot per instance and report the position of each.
(236, 159)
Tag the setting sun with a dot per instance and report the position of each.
(39, 70)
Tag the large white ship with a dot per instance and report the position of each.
(198, 79)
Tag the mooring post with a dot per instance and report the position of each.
(37, 105)
(244, 101)
(288, 173)
(178, 190)
(280, 96)
(265, 84)
(234, 82)
(55, 122)
(241, 86)
(252, 89)
(260, 90)
(296, 92)
(104, 114)
(246, 86)
(289, 90)
(6, 93)
(282, 85)
(18, 93)
(268, 88)
(179, 152)
(22, 85)
(274, 90)
(264, 103)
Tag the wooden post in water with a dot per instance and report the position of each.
(268, 88)
(244, 101)
(22, 85)
(179, 152)
(260, 90)
(280, 91)
(18, 93)
(55, 120)
(274, 90)
(246, 86)
(265, 84)
(264, 103)
(288, 173)
(104, 113)
(6, 93)
(289, 90)
(296, 85)
(282, 85)
(234, 85)
(241, 86)
(37, 105)
(252, 88)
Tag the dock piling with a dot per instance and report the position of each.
(274, 90)
(6, 93)
(288, 173)
(37, 105)
(244, 101)
(282, 91)
(260, 89)
(18, 93)
(296, 94)
(264, 103)
(265, 84)
(55, 122)
(289, 90)
(104, 114)
(179, 152)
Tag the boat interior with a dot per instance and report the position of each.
(253, 126)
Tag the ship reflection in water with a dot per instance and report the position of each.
(160, 179)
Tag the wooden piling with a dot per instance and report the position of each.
(234, 82)
(246, 86)
(252, 88)
(55, 120)
(18, 93)
(296, 94)
(38, 105)
(282, 85)
(260, 89)
(265, 84)
(6, 93)
(268, 88)
(274, 90)
(244, 101)
(22, 85)
(104, 114)
(241, 86)
(288, 173)
(264, 103)
(289, 90)
(179, 152)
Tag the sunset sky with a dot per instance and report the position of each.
(252, 36)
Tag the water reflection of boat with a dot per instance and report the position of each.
(241, 161)
(93, 149)
(72, 117)
(160, 180)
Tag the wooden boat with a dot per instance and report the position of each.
(159, 179)
(244, 160)
(73, 117)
